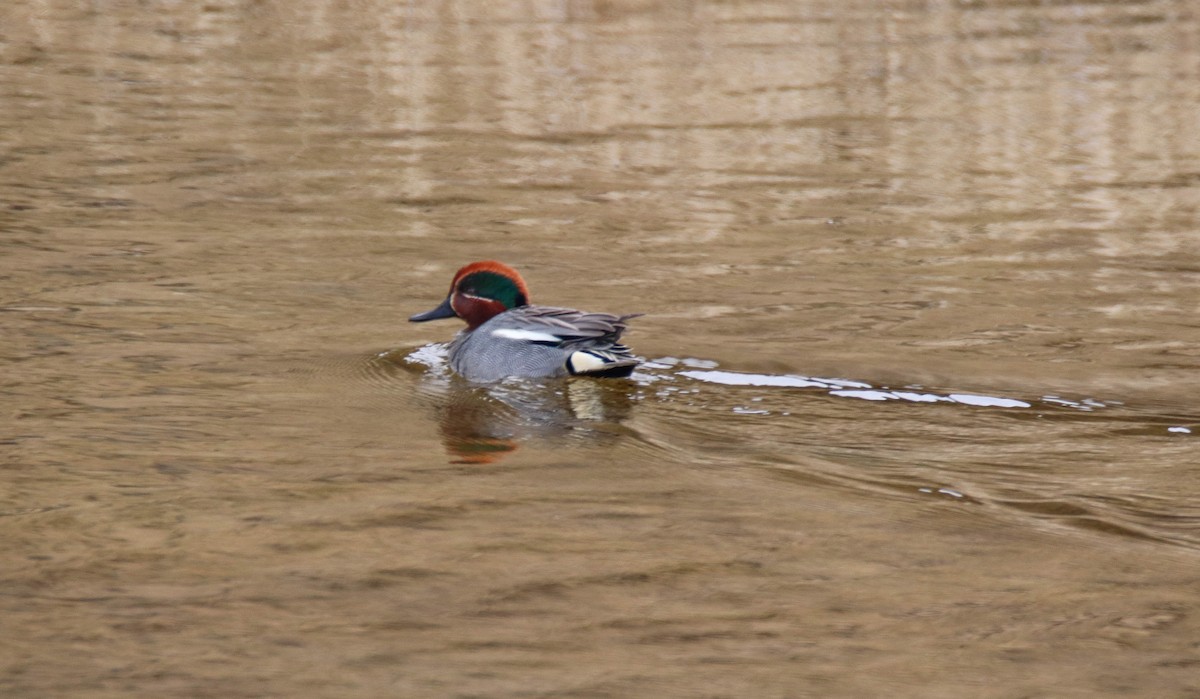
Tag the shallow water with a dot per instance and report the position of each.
(921, 283)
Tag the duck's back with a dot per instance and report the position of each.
(543, 341)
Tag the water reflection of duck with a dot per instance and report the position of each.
(505, 336)
(480, 424)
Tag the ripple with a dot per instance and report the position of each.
(693, 412)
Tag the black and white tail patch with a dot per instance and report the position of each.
(600, 364)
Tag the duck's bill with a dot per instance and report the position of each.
(443, 311)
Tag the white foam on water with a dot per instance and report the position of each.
(846, 388)
(988, 401)
(428, 355)
(734, 378)
(920, 397)
(864, 395)
(1086, 405)
(845, 383)
(942, 491)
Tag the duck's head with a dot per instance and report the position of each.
(479, 292)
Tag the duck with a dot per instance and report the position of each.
(507, 336)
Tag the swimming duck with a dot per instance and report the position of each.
(506, 336)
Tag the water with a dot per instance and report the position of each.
(920, 284)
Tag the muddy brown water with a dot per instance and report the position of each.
(921, 284)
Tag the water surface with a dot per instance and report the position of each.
(921, 283)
